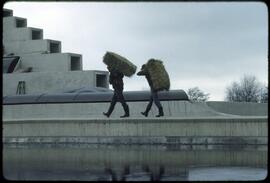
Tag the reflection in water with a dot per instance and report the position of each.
(133, 162)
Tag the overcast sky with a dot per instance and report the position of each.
(208, 45)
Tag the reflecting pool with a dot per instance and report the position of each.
(134, 162)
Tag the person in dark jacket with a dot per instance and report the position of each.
(154, 94)
(116, 80)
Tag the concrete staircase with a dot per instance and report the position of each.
(28, 43)
(50, 68)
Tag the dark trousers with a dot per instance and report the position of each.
(118, 97)
(154, 97)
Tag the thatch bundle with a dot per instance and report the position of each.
(119, 63)
(158, 75)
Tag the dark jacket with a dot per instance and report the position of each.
(116, 80)
(147, 76)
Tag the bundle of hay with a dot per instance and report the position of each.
(119, 63)
(158, 75)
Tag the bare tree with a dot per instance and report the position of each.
(195, 94)
(247, 90)
(264, 95)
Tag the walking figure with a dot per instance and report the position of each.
(154, 93)
(116, 80)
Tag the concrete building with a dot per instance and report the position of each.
(42, 67)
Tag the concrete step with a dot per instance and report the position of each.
(22, 34)
(59, 62)
(12, 22)
(33, 46)
(44, 82)
(7, 12)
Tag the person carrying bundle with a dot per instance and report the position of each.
(116, 80)
(158, 79)
(118, 66)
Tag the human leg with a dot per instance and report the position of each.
(122, 100)
(149, 105)
(111, 108)
(158, 104)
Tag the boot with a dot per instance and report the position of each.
(144, 113)
(106, 114)
(110, 110)
(160, 112)
(126, 115)
(126, 109)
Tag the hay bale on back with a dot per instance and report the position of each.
(119, 63)
(158, 75)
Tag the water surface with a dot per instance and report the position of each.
(134, 162)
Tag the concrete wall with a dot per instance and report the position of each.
(240, 108)
(45, 82)
(138, 131)
(183, 123)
